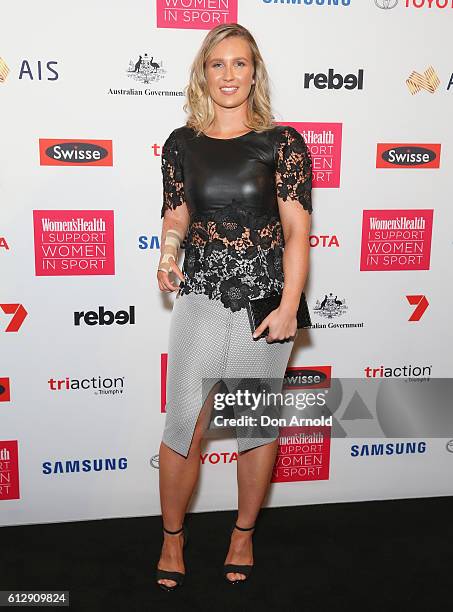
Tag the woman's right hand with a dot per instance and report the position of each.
(163, 278)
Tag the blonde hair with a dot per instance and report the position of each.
(199, 105)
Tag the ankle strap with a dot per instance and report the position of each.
(244, 528)
(173, 532)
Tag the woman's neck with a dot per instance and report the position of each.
(229, 122)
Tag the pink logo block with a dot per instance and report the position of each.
(396, 239)
(74, 242)
(9, 470)
(324, 142)
(195, 14)
(303, 454)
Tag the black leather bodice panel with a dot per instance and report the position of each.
(232, 189)
(219, 173)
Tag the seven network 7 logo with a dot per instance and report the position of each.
(17, 313)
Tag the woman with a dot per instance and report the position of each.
(238, 187)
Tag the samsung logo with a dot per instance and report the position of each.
(390, 448)
(311, 2)
(84, 465)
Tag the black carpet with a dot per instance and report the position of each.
(383, 555)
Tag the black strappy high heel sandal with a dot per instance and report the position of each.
(178, 577)
(239, 569)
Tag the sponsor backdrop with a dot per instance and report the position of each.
(88, 95)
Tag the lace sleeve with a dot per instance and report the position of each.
(172, 175)
(294, 168)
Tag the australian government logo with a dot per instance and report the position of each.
(145, 70)
(331, 307)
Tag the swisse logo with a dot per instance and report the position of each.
(75, 152)
(334, 80)
(105, 317)
(307, 377)
(400, 155)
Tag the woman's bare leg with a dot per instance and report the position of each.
(254, 471)
(178, 477)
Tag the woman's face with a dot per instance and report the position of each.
(229, 72)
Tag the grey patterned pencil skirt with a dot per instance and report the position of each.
(209, 341)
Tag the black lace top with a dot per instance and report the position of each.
(234, 244)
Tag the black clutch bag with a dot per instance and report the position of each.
(260, 308)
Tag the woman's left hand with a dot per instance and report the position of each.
(282, 325)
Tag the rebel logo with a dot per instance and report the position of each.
(333, 80)
(74, 242)
(105, 317)
(391, 155)
(75, 152)
(18, 314)
(5, 395)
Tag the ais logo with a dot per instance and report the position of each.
(75, 152)
(32, 71)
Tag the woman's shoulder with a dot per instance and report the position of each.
(285, 131)
(179, 136)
